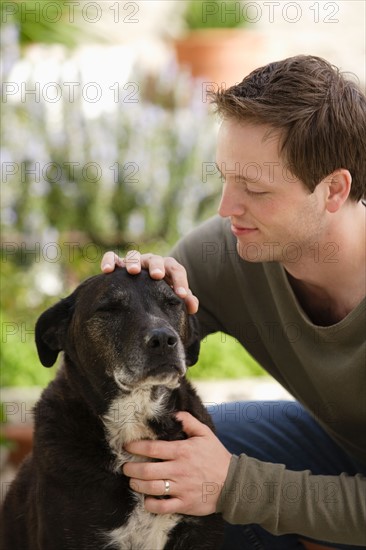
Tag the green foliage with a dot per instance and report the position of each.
(53, 22)
(214, 14)
(20, 365)
(21, 305)
(221, 356)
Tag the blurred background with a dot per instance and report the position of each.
(108, 142)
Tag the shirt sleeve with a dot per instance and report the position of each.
(322, 507)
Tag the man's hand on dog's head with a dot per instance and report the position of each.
(159, 268)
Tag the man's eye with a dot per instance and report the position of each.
(250, 192)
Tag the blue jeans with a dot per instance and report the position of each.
(279, 432)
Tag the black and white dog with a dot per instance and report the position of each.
(127, 341)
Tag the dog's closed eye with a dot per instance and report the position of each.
(173, 301)
(108, 306)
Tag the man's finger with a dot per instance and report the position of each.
(163, 506)
(191, 302)
(148, 471)
(191, 426)
(156, 487)
(155, 265)
(165, 450)
(132, 261)
(177, 276)
(109, 261)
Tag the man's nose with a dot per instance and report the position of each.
(231, 203)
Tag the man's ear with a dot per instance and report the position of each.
(51, 329)
(192, 347)
(338, 189)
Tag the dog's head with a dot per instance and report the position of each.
(128, 328)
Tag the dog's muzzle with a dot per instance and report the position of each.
(161, 340)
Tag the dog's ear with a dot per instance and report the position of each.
(51, 329)
(193, 344)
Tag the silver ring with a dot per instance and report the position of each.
(167, 486)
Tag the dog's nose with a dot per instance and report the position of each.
(161, 339)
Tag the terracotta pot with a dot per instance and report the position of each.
(222, 56)
(21, 440)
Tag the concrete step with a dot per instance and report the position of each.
(246, 389)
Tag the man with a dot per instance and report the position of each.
(283, 271)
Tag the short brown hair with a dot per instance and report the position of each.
(321, 116)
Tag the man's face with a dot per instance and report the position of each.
(273, 215)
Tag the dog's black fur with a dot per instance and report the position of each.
(126, 342)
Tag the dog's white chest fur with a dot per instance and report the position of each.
(143, 531)
(125, 421)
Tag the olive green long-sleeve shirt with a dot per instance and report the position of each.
(323, 367)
